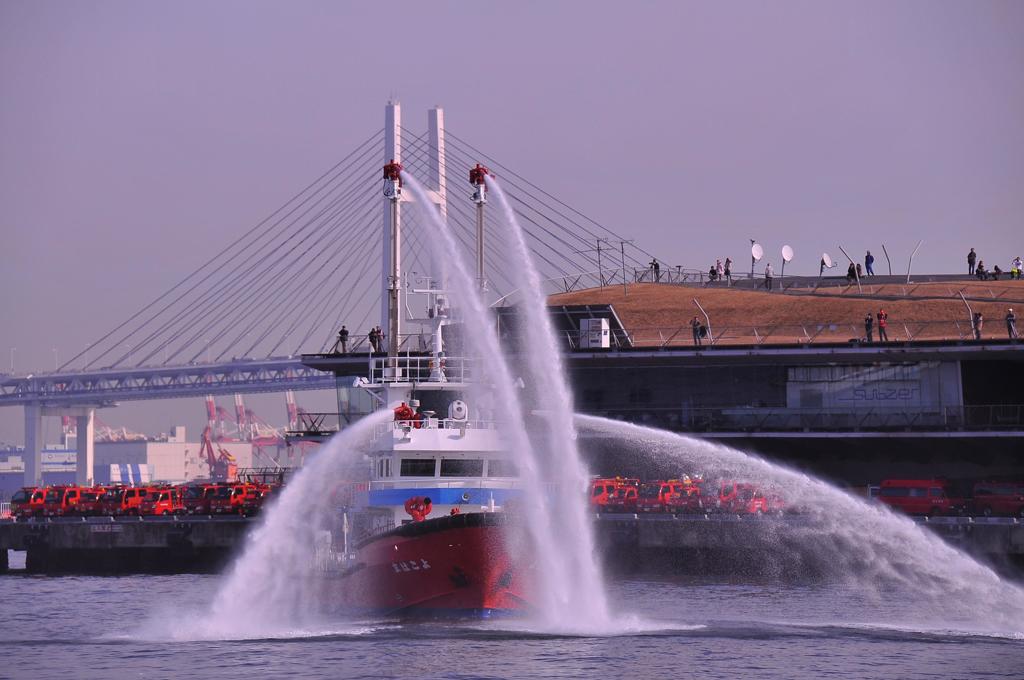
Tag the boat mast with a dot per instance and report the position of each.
(478, 179)
(391, 304)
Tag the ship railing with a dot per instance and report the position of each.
(5, 510)
(407, 427)
(422, 369)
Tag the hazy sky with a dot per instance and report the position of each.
(136, 138)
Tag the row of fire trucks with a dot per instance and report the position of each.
(213, 498)
(921, 497)
(685, 495)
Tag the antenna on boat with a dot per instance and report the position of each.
(391, 304)
(478, 180)
(393, 193)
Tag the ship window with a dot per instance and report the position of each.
(502, 468)
(457, 467)
(417, 467)
(895, 492)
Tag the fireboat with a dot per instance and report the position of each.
(426, 532)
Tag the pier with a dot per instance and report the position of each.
(162, 545)
(107, 545)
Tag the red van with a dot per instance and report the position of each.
(227, 499)
(654, 496)
(60, 501)
(741, 498)
(998, 499)
(28, 502)
(197, 497)
(930, 497)
(90, 504)
(625, 498)
(690, 498)
(122, 500)
(161, 501)
(601, 491)
(256, 497)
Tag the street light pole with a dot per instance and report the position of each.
(622, 250)
(12, 358)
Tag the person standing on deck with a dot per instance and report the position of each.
(883, 324)
(341, 345)
(869, 326)
(768, 273)
(869, 260)
(695, 324)
(1011, 324)
(972, 257)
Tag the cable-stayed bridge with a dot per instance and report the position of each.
(239, 322)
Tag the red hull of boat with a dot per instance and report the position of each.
(450, 566)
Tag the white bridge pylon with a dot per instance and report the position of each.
(436, 186)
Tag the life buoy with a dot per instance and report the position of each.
(418, 507)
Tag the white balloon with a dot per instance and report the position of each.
(827, 259)
(787, 253)
(756, 251)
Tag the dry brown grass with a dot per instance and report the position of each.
(660, 314)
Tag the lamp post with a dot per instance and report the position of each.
(12, 358)
(55, 362)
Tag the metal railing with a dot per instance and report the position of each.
(431, 423)
(5, 510)
(783, 419)
(360, 344)
(422, 369)
(802, 334)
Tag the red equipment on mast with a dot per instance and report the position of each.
(478, 176)
(393, 172)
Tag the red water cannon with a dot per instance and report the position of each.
(478, 179)
(393, 172)
(478, 176)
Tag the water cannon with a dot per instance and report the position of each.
(392, 179)
(478, 179)
(458, 410)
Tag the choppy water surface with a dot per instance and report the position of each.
(87, 627)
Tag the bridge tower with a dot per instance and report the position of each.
(85, 419)
(436, 186)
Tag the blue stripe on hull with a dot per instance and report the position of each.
(440, 496)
